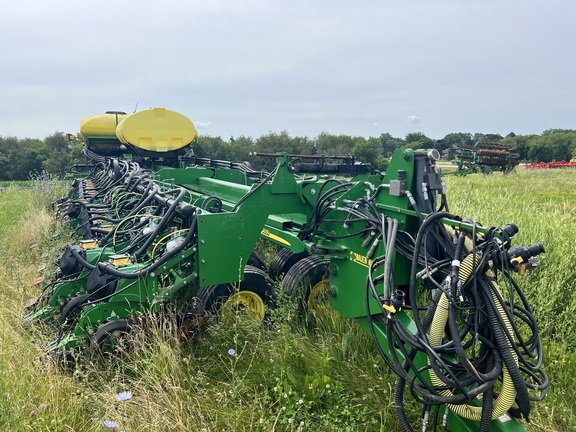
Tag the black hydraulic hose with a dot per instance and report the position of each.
(167, 217)
(400, 381)
(534, 350)
(141, 177)
(312, 224)
(522, 395)
(116, 182)
(414, 268)
(136, 241)
(151, 195)
(143, 196)
(141, 224)
(81, 260)
(456, 264)
(487, 403)
(491, 375)
(147, 270)
(253, 190)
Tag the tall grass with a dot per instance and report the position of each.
(543, 205)
(282, 376)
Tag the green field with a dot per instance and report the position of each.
(324, 376)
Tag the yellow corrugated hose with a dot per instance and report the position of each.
(507, 394)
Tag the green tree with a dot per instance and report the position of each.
(334, 145)
(456, 138)
(446, 144)
(370, 151)
(241, 147)
(208, 147)
(417, 140)
(555, 131)
(20, 157)
(493, 137)
(390, 143)
(279, 142)
(58, 155)
(521, 146)
(551, 147)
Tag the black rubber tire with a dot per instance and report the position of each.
(303, 275)
(111, 330)
(256, 280)
(283, 261)
(73, 306)
(256, 261)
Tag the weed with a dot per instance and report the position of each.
(283, 376)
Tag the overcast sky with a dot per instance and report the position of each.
(248, 67)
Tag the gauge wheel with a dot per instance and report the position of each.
(256, 261)
(283, 261)
(192, 322)
(73, 307)
(114, 337)
(307, 281)
(251, 297)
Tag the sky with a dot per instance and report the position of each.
(250, 67)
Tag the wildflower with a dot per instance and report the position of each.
(110, 424)
(300, 401)
(42, 406)
(328, 386)
(123, 396)
(32, 413)
(290, 420)
(231, 351)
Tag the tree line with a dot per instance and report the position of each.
(20, 158)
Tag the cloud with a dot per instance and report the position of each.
(412, 119)
(202, 124)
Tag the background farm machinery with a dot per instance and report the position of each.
(551, 165)
(435, 291)
(484, 157)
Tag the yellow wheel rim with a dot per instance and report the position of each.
(319, 295)
(244, 303)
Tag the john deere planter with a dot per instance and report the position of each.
(434, 290)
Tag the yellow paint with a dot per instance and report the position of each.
(389, 308)
(88, 244)
(360, 259)
(119, 260)
(100, 125)
(156, 129)
(267, 233)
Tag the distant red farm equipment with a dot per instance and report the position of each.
(551, 165)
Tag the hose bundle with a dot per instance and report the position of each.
(476, 347)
